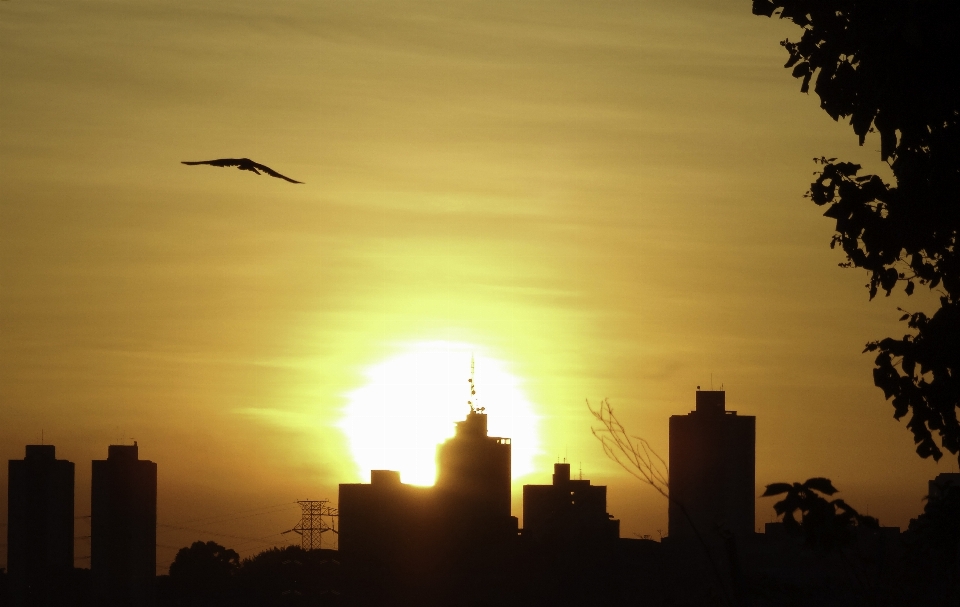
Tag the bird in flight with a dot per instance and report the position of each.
(244, 164)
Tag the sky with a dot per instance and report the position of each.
(596, 199)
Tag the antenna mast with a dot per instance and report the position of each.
(473, 386)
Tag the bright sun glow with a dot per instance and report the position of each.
(412, 400)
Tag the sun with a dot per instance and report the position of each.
(411, 401)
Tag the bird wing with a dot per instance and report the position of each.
(219, 162)
(273, 173)
(242, 163)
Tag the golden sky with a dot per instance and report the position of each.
(604, 196)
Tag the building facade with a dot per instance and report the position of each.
(40, 527)
(473, 483)
(468, 507)
(568, 513)
(383, 518)
(712, 470)
(123, 527)
(943, 480)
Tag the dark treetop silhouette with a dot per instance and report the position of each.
(824, 524)
(244, 164)
(894, 67)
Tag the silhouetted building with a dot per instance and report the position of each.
(568, 513)
(468, 507)
(123, 528)
(941, 482)
(40, 527)
(473, 483)
(382, 518)
(712, 469)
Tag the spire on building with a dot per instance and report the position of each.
(472, 401)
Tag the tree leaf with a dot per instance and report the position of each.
(823, 485)
(879, 65)
(764, 8)
(777, 489)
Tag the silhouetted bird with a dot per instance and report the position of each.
(244, 164)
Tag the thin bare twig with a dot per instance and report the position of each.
(635, 455)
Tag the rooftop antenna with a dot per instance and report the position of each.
(581, 470)
(41, 436)
(473, 386)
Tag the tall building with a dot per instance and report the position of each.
(473, 476)
(123, 527)
(712, 469)
(468, 507)
(568, 513)
(40, 527)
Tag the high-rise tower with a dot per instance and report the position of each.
(473, 469)
(473, 487)
(40, 527)
(712, 469)
(123, 526)
(428, 530)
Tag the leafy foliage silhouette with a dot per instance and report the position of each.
(824, 524)
(893, 68)
(204, 574)
(208, 574)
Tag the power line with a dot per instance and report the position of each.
(228, 520)
(238, 518)
(236, 537)
(230, 515)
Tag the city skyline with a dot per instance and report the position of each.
(603, 199)
(724, 435)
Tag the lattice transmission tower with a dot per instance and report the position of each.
(316, 518)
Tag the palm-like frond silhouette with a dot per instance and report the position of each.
(244, 164)
(826, 524)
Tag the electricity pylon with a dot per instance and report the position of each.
(313, 523)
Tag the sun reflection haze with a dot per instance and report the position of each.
(411, 401)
